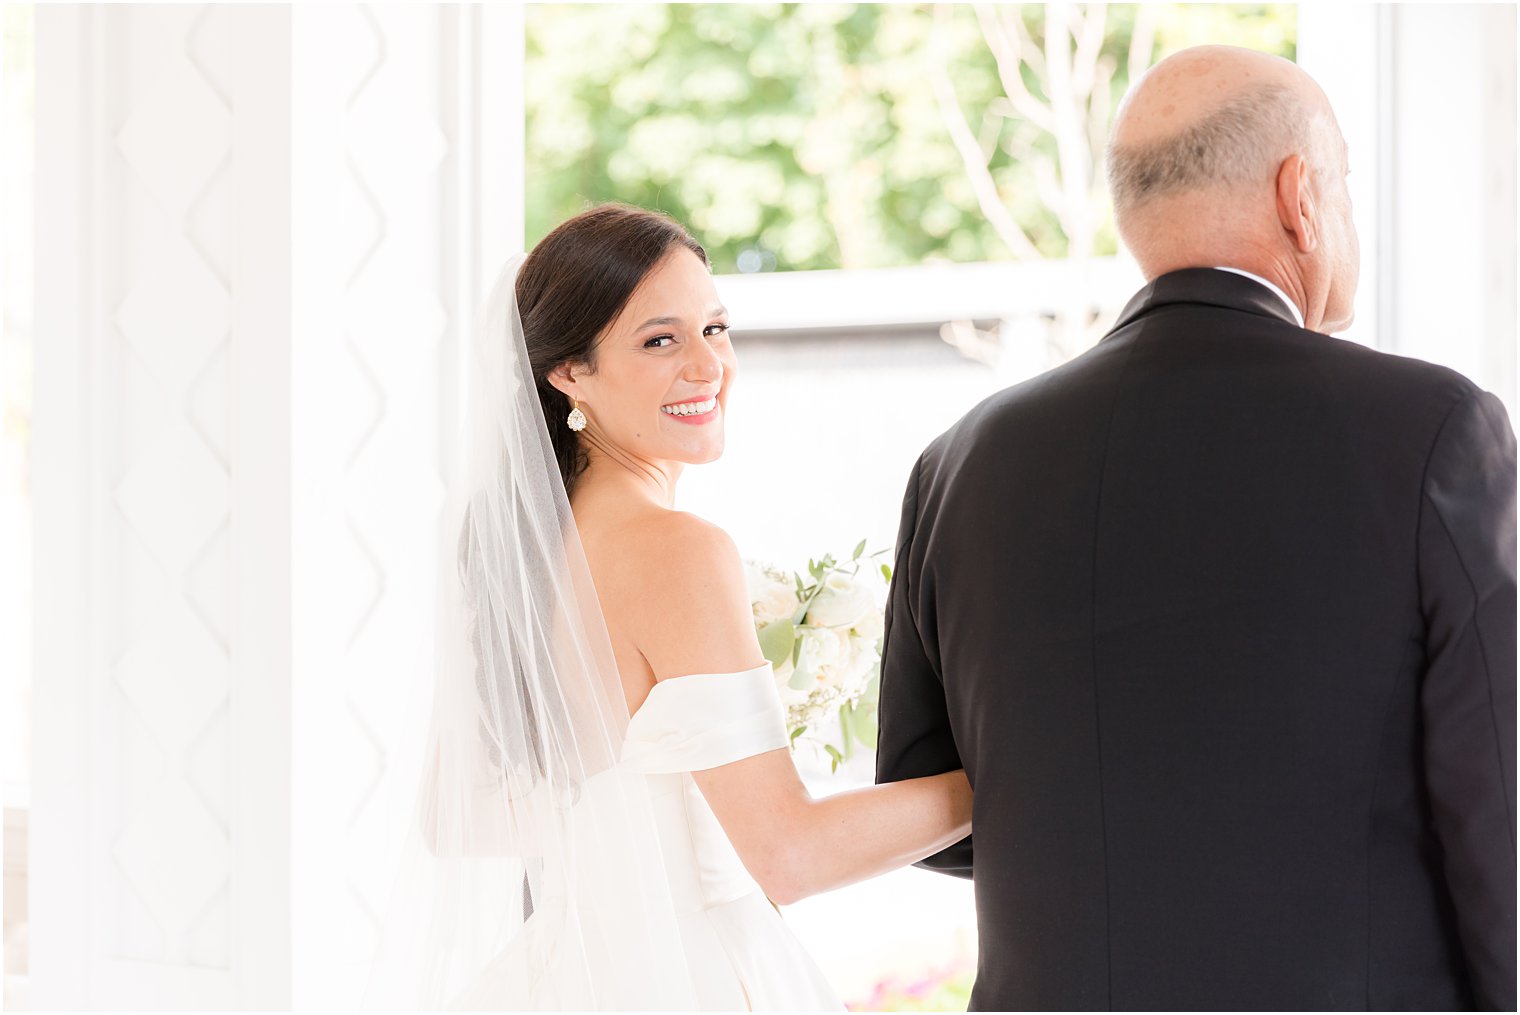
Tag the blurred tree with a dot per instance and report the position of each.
(801, 136)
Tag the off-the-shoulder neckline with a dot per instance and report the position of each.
(689, 676)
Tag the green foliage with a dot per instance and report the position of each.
(777, 640)
(804, 136)
(850, 695)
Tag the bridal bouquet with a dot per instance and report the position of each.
(822, 636)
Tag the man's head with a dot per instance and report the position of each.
(1228, 157)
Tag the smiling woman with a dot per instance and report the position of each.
(580, 281)
(606, 735)
(654, 387)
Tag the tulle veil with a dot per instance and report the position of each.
(532, 876)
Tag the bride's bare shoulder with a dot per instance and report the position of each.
(691, 601)
(649, 544)
(679, 536)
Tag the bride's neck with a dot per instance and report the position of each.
(610, 470)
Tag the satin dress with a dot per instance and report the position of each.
(739, 954)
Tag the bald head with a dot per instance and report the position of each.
(1197, 158)
(1209, 118)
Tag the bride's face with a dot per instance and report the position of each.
(661, 372)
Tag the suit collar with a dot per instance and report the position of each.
(1209, 287)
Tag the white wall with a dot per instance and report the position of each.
(1453, 206)
(260, 232)
(1425, 94)
(136, 782)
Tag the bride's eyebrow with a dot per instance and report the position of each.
(715, 312)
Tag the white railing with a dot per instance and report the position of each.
(925, 294)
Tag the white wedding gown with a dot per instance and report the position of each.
(740, 953)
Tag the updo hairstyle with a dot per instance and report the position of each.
(574, 284)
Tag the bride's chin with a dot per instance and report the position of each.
(702, 456)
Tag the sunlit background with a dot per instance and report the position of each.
(242, 244)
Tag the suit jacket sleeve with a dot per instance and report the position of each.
(914, 739)
(1467, 591)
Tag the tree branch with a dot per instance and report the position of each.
(1097, 121)
(1008, 53)
(1089, 47)
(1027, 48)
(1046, 181)
(1142, 41)
(1074, 211)
(987, 137)
(982, 183)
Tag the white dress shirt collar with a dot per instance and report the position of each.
(1297, 314)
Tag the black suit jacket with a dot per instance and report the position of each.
(1219, 618)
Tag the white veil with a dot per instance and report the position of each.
(532, 875)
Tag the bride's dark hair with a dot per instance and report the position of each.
(571, 286)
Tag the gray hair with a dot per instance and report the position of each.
(1244, 140)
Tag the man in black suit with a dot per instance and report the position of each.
(1220, 616)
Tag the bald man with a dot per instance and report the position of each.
(1220, 616)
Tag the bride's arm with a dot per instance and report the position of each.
(691, 608)
(797, 846)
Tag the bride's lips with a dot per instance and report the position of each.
(694, 419)
(706, 417)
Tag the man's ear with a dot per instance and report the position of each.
(1296, 208)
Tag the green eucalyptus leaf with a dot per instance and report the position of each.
(802, 679)
(864, 727)
(860, 548)
(886, 573)
(797, 733)
(777, 640)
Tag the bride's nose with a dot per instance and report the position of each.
(703, 363)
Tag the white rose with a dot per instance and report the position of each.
(842, 672)
(821, 649)
(825, 654)
(869, 627)
(770, 596)
(842, 602)
(862, 650)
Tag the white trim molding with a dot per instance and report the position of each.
(926, 294)
(260, 237)
(1425, 95)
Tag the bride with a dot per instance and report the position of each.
(609, 810)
